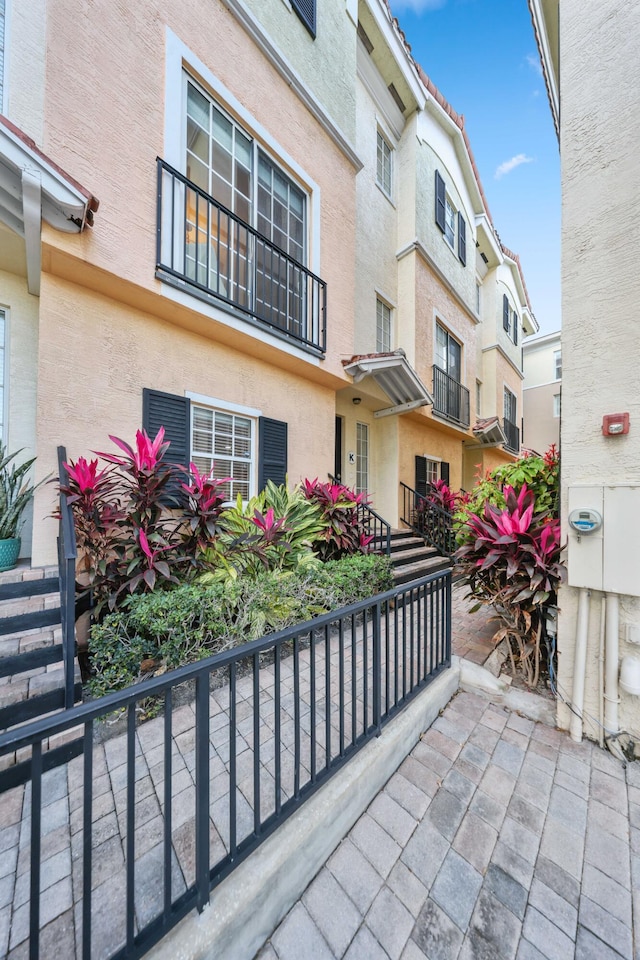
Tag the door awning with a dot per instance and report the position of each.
(488, 431)
(32, 189)
(395, 376)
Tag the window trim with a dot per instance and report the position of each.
(181, 61)
(252, 460)
(450, 336)
(380, 301)
(557, 363)
(557, 405)
(235, 409)
(382, 138)
(507, 390)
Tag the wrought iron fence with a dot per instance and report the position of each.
(152, 815)
(450, 398)
(512, 434)
(428, 520)
(205, 246)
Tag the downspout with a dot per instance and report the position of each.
(611, 695)
(579, 666)
(603, 608)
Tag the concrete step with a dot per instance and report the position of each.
(413, 555)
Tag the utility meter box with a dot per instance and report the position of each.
(585, 549)
(606, 556)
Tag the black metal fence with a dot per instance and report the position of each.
(450, 398)
(204, 245)
(512, 433)
(166, 808)
(428, 520)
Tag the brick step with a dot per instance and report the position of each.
(414, 571)
(34, 694)
(413, 555)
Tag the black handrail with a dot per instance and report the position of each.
(430, 521)
(512, 434)
(67, 556)
(450, 398)
(204, 245)
(373, 525)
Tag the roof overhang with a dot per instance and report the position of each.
(33, 189)
(489, 432)
(395, 377)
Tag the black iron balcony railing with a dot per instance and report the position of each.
(512, 433)
(450, 398)
(202, 244)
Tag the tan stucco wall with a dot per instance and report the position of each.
(21, 344)
(25, 60)
(541, 428)
(96, 355)
(600, 48)
(126, 77)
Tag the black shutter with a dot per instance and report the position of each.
(440, 202)
(505, 312)
(306, 10)
(515, 328)
(444, 471)
(462, 239)
(173, 413)
(421, 475)
(272, 452)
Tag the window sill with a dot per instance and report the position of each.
(386, 195)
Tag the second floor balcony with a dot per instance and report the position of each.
(205, 248)
(512, 434)
(450, 398)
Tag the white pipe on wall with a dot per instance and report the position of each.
(579, 666)
(611, 697)
(603, 611)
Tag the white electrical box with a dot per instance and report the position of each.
(585, 551)
(608, 557)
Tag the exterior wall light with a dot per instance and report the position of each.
(615, 424)
(356, 400)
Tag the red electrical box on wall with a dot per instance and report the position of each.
(615, 424)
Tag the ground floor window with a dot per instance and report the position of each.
(224, 443)
(362, 458)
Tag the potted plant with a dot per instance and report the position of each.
(15, 495)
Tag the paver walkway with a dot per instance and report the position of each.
(496, 838)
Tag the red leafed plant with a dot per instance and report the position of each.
(511, 559)
(342, 534)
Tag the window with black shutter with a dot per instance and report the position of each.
(444, 471)
(440, 202)
(171, 412)
(462, 239)
(505, 312)
(306, 10)
(515, 328)
(272, 452)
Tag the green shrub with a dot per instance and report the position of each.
(171, 628)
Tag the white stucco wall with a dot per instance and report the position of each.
(539, 360)
(600, 49)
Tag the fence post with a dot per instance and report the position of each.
(377, 670)
(67, 553)
(202, 790)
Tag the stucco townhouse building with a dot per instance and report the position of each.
(258, 224)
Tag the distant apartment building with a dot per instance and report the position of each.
(542, 391)
(291, 267)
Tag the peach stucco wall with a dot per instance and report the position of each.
(109, 137)
(96, 355)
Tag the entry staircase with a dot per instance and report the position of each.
(412, 558)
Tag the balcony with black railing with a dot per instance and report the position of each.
(205, 248)
(450, 398)
(512, 434)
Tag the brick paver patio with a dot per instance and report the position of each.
(496, 838)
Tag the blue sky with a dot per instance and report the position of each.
(482, 56)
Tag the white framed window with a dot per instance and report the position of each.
(478, 397)
(384, 165)
(448, 355)
(556, 405)
(510, 406)
(224, 443)
(383, 326)
(449, 222)
(557, 364)
(362, 457)
(432, 470)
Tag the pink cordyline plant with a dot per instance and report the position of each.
(146, 456)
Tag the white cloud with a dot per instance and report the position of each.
(417, 6)
(510, 165)
(534, 63)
